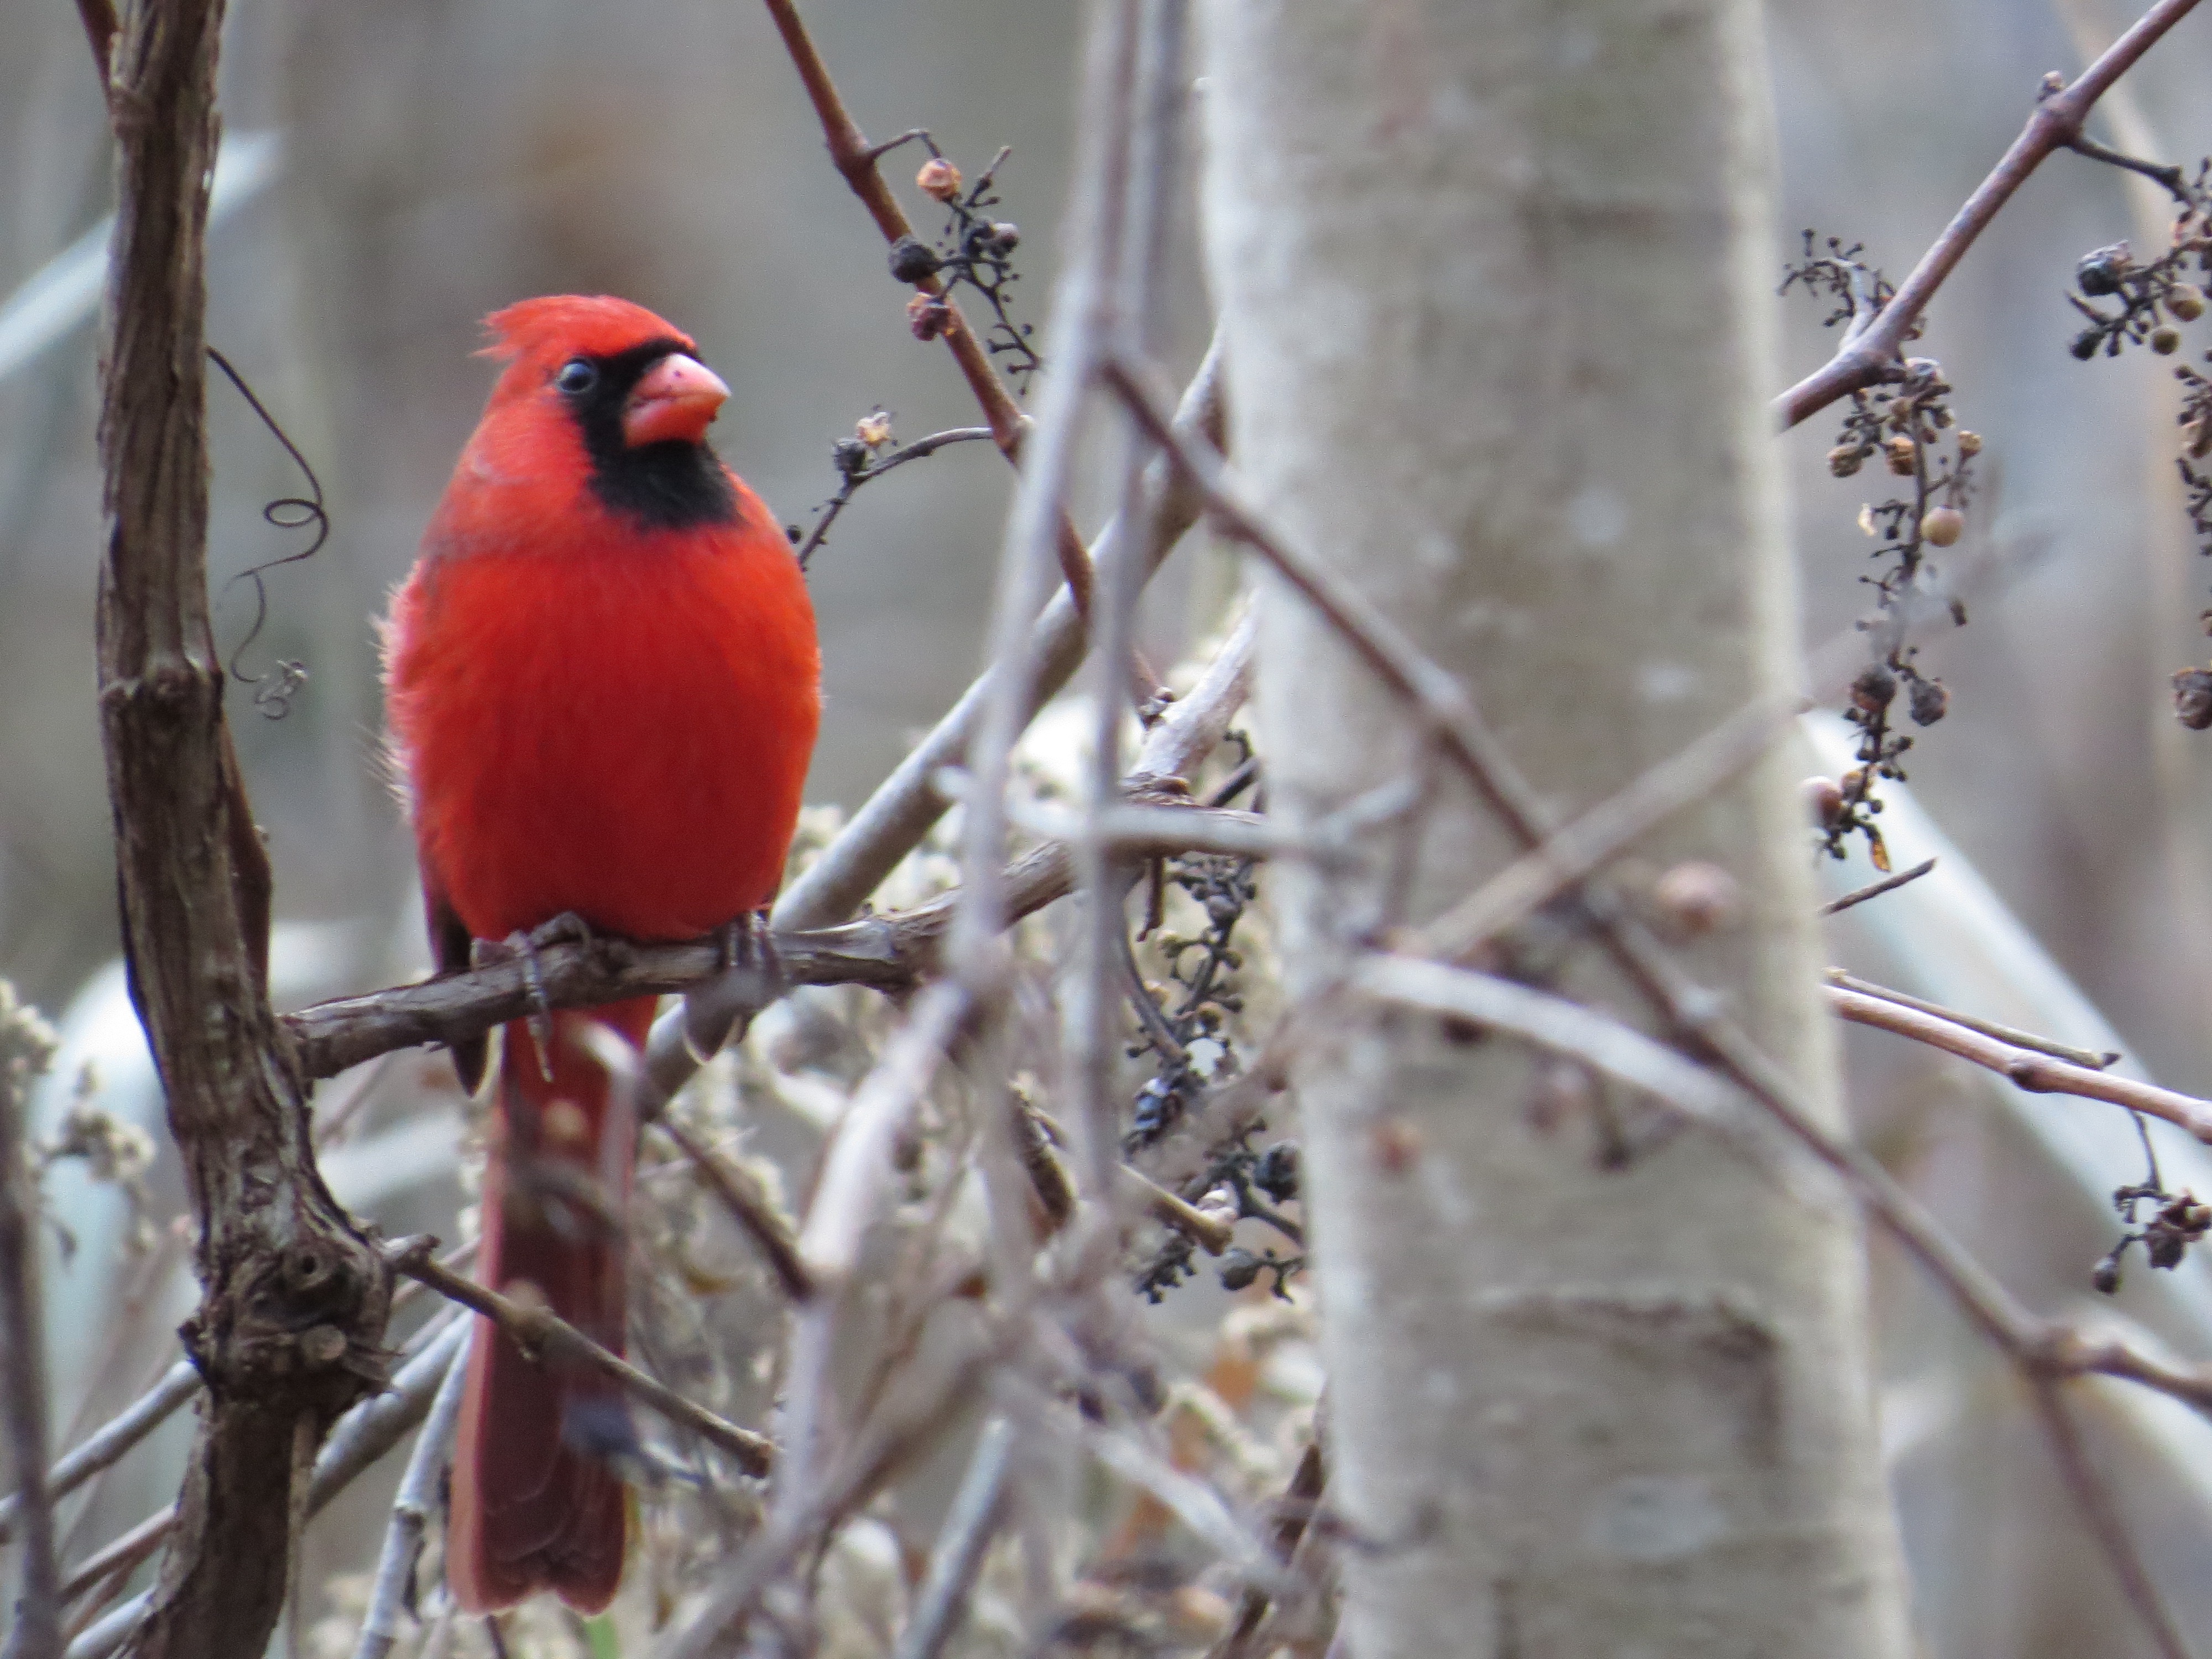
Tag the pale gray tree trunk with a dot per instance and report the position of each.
(1498, 280)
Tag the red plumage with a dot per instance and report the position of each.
(603, 687)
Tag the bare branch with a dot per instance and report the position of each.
(1876, 888)
(2039, 1073)
(2101, 1515)
(410, 1512)
(1870, 354)
(360, 1439)
(749, 1207)
(27, 1046)
(2018, 1039)
(105, 1447)
(540, 1332)
(968, 1526)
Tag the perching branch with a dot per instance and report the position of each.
(1871, 354)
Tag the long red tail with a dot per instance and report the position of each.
(537, 1504)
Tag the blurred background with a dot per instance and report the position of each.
(424, 162)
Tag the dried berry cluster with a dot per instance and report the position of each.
(1245, 1185)
(2177, 1222)
(1906, 423)
(1188, 1039)
(2152, 296)
(974, 249)
(2155, 298)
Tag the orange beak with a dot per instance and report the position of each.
(678, 400)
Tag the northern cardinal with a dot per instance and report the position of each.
(603, 688)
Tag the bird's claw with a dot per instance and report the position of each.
(751, 978)
(566, 929)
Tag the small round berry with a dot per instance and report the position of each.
(939, 178)
(2187, 301)
(911, 261)
(2165, 339)
(1941, 526)
(1844, 459)
(2100, 272)
(1929, 701)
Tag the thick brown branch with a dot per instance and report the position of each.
(1871, 354)
(101, 25)
(292, 1316)
(538, 1331)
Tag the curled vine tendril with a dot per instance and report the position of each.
(273, 691)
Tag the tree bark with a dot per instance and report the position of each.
(1497, 282)
(289, 1329)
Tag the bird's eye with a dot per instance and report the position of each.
(576, 375)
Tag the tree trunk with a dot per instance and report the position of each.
(1498, 281)
(291, 1321)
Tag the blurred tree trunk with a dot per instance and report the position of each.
(1497, 282)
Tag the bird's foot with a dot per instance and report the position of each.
(718, 1011)
(566, 929)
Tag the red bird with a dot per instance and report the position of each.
(603, 687)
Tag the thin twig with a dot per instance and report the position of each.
(1876, 889)
(2037, 1073)
(27, 1046)
(920, 449)
(2092, 1059)
(2163, 172)
(539, 1332)
(2101, 1514)
(748, 1206)
(968, 1526)
(1299, 1500)
(1869, 356)
(1582, 846)
(410, 1514)
(107, 1445)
